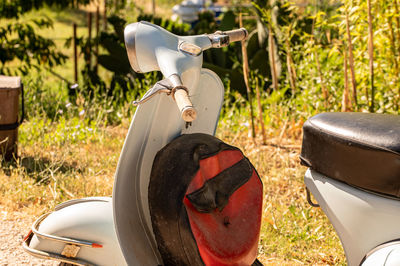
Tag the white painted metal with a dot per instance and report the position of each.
(387, 255)
(89, 219)
(362, 220)
(157, 49)
(154, 125)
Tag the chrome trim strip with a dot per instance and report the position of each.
(35, 231)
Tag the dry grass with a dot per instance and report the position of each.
(78, 160)
(293, 233)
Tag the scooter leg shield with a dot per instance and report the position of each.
(205, 200)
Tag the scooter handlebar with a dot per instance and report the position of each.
(184, 103)
(237, 35)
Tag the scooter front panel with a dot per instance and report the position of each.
(154, 125)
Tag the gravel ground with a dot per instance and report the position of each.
(13, 228)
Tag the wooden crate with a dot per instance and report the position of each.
(10, 89)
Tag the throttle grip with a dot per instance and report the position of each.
(237, 35)
(188, 112)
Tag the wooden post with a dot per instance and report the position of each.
(271, 46)
(105, 16)
(260, 113)
(345, 100)
(246, 79)
(321, 77)
(89, 41)
(396, 7)
(371, 56)
(351, 61)
(394, 54)
(154, 7)
(289, 62)
(75, 55)
(96, 51)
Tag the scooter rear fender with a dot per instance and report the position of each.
(88, 223)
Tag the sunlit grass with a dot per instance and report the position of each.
(76, 157)
(293, 233)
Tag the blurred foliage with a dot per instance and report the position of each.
(312, 40)
(15, 8)
(19, 40)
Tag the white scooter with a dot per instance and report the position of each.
(354, 175)
(118, 230)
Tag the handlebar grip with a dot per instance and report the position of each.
(185, 106)
(237, 35)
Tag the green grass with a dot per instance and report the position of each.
(74, 158)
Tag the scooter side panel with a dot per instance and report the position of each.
(387, 255)
(88, 219)
(361, 219)
(154, 125)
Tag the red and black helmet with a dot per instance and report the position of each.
(205, 200)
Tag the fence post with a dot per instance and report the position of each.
(246, 79)
(97, 39)
(75, 55)
(89, 41)
(105, 16)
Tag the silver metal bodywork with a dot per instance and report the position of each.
(384, 255)
(81, 223)
(362, 220)
(154, 125)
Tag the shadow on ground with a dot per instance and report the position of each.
(39, 169)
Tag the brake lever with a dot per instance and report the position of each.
(160, 87)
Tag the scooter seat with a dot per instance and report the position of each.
(360, 149)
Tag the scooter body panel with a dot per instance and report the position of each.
(385, 255)
(154, 125)
(89, 219)
(361, 219)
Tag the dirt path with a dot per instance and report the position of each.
(13, 228)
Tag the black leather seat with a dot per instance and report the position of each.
(360, 149)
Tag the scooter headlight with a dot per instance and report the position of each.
(130, 41)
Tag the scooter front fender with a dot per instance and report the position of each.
(154, 125)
